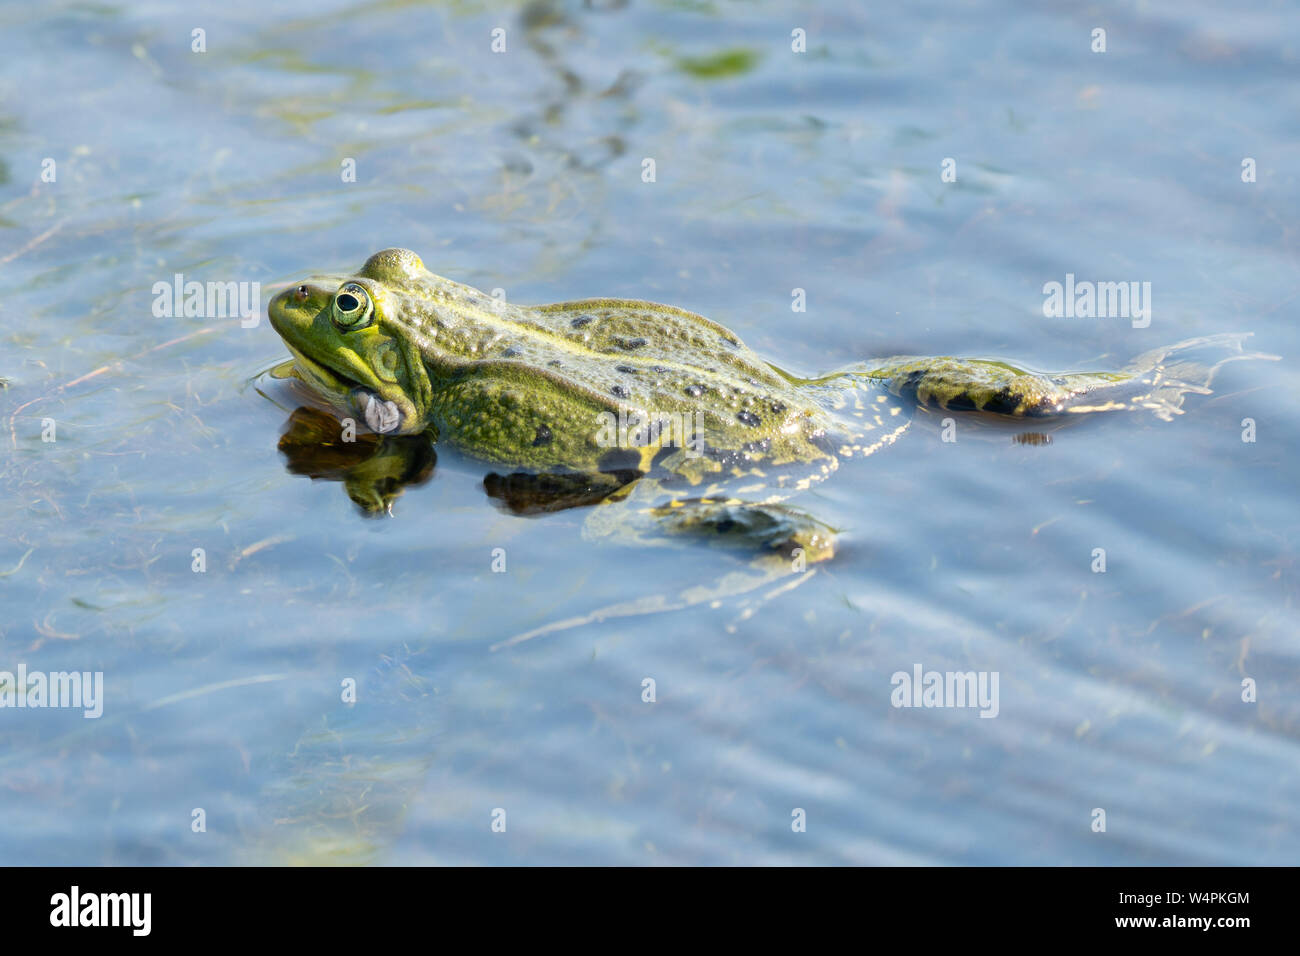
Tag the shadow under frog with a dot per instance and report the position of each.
(375, 470)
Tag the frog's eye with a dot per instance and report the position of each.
(352, 307)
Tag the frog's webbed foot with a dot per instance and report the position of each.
(1168, 374)
(782, 544)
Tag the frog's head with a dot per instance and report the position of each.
(349, 343)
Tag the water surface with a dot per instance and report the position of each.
(774, 171)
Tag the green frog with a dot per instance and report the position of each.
(661, 418)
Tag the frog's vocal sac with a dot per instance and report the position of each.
(531, 389)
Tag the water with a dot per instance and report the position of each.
(774, 171)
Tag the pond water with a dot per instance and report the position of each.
(139, 446)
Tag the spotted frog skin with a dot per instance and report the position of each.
(621, 401)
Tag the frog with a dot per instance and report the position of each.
(661, 421)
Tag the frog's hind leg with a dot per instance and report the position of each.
(1156, 381)
(783, 547)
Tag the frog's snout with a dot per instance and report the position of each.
(290, 312)
(275, 312)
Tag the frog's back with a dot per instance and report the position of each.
(552, 376)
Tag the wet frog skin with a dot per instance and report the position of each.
(527, 386)
(532, 390)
